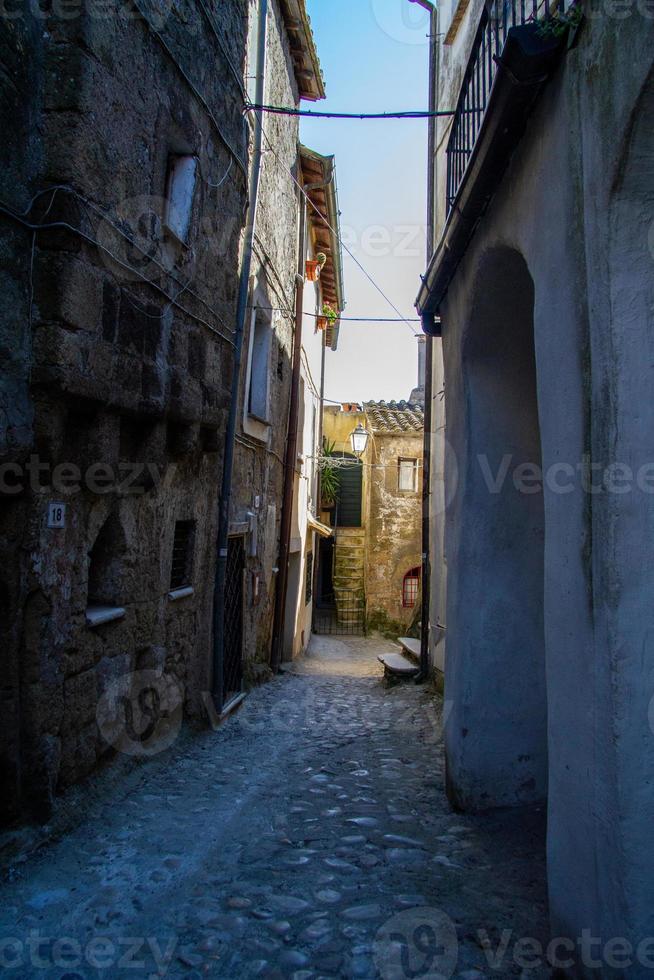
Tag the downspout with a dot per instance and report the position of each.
(239, 334)
(425, 628)
(290, 460)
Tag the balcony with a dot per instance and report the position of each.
(497, 20)
(511, 60)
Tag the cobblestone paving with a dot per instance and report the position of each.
(309, 837)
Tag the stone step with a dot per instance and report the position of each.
(397, 665)
(410, 648)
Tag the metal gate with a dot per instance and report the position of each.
(341, 614)
(234, 611)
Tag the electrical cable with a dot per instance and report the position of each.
(338, 237)
(347, 319)
(91, 241)
(287, 111)
(94, 207)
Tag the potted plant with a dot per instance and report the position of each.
(314, 267)
(329, 484)
(327, 317)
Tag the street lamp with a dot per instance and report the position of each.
(359, 439)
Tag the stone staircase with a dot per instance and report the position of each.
(349, 575)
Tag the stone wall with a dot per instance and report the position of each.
(118, 339)
(394, 533)
(259, 469)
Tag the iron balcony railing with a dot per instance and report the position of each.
(497, 20)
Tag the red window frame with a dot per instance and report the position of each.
(411, 587)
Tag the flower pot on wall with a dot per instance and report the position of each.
(322, 322)
(313, 270)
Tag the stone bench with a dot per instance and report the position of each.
(397, 666)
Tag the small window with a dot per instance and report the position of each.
(308, 591)
(410, 588)
(259, 368)
(181, 569)
(179, 195)
(408, 475)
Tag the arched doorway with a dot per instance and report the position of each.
(496, 734)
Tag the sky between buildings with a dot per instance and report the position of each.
(374, 55)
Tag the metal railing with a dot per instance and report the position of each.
(341, 614)
(496, 22)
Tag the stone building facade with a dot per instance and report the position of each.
(376, 551)
(542, 287)
(393, 533)
(123, 191)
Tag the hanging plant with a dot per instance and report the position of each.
(327, 318)
(314, 267)
(560, 23)
(329, 482)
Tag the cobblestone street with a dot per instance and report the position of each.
(305, 838)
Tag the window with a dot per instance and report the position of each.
(410, 588)
(407, 475)
(179, 195)
(259, 367)
(181, 568)
(308, 589)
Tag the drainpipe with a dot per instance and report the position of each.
(239, 334)
(426, 471)
(291, 445)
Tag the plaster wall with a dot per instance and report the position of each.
(576, 204)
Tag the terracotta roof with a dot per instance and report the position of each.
(395, 416)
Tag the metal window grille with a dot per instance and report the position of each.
(341, 614)
(234, 617)
(410, 588)
(181, 569)
(308, 587)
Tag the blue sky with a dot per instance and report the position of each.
(374, 56)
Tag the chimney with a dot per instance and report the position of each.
(418, 394)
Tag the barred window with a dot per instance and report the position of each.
(410, 588)
(181, 569)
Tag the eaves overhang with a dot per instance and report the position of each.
(527, 62)
(319, 178)
(306, 63)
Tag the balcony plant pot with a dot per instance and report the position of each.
(313, 270)
(322, 322)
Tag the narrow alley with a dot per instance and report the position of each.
(308, 836)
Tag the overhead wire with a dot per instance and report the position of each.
(317, 114)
